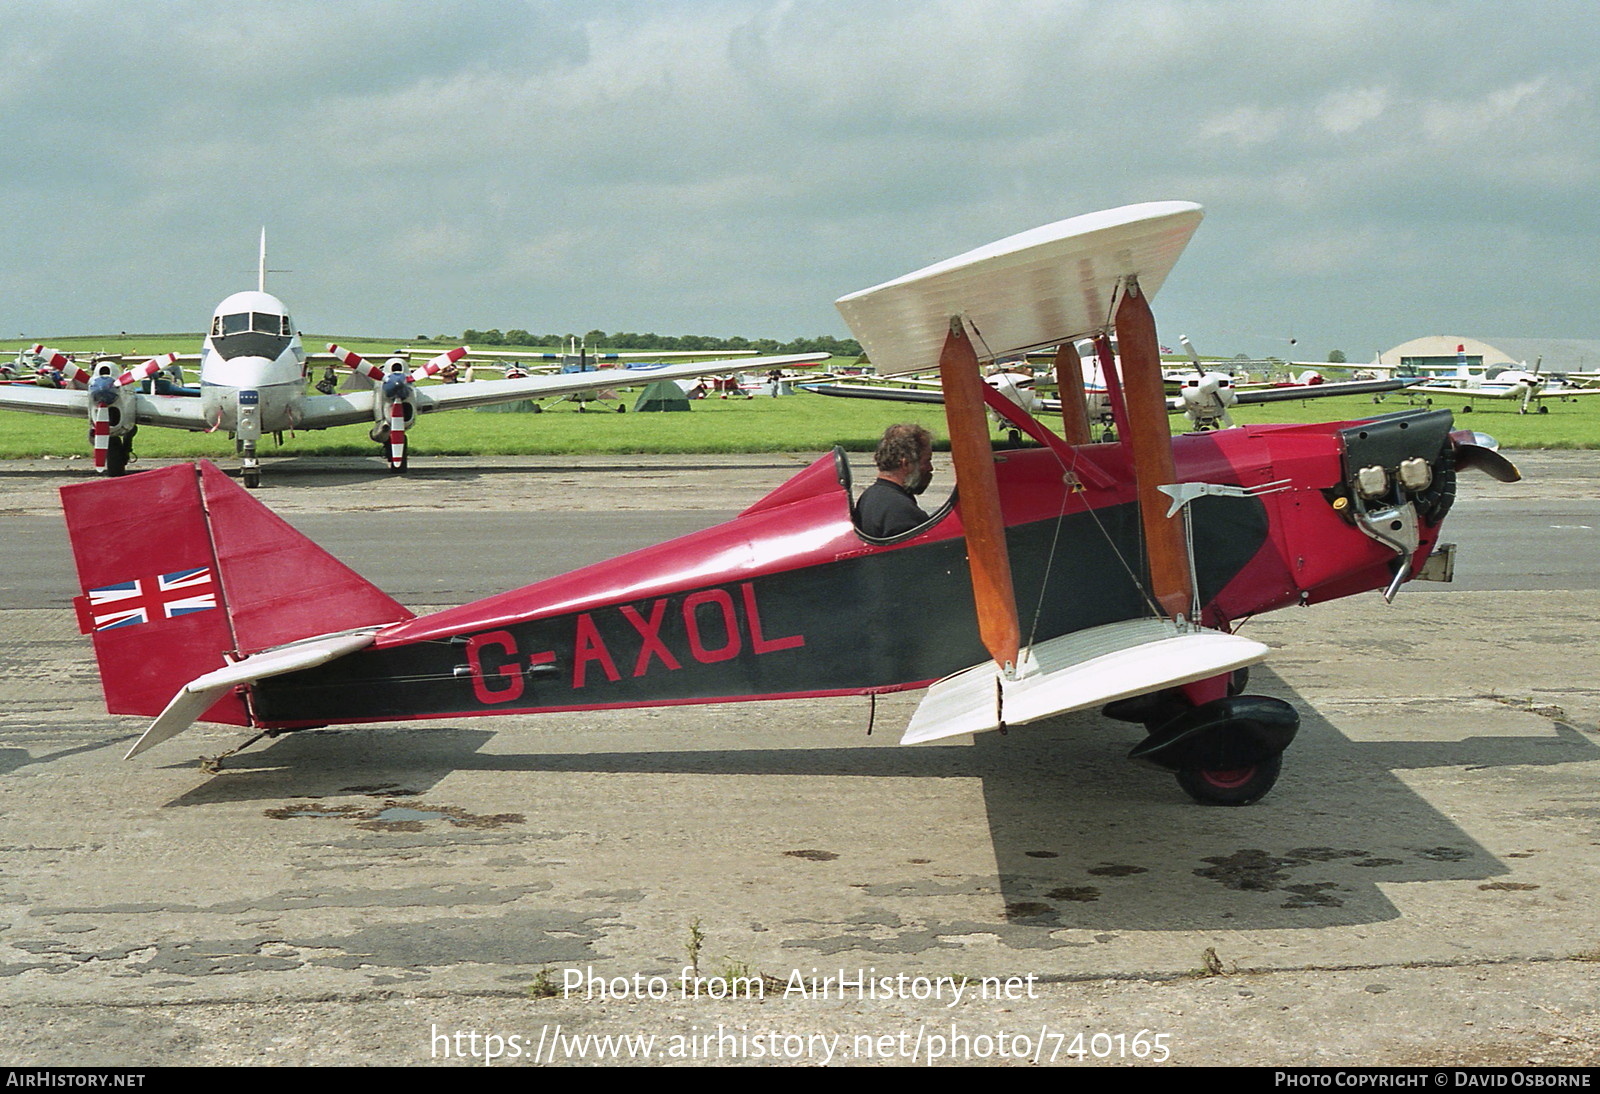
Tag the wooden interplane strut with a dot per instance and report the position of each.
(984, 525)
(1150, 436)
(1069, 383)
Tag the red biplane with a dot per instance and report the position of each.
(1060, 577)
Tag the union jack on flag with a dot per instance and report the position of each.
(127, 603)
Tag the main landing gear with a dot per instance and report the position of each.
(1225, 752)
(119, 453)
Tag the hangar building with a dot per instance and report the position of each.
(1560, 354)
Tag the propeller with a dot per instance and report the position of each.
(101, 397)
(434, 365)
(398, 388)
(104, 391)
(1207, 398)
(71, 371)
(1188, 347)
(1481, 452)
(147, 370)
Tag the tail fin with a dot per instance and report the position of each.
(183, 572)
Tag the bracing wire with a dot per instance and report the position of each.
(1068, 470)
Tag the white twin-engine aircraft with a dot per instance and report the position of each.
(253, 373)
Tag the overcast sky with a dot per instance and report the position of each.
(1371, 172)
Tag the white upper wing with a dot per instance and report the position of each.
(1039, 288)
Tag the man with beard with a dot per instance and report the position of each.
(888, 507)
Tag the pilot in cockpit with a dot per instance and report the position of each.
(889, 507)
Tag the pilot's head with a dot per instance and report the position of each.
(905, 454)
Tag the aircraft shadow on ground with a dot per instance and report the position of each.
(1082, 838)
(1085, 851)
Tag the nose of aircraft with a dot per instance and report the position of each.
(396, 385)
(103, 390)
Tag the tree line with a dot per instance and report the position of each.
(664, 343)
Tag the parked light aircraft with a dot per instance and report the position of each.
(579, 357)
(1527, 387)
(1204, 396)
(1062, 577)
(253, 373)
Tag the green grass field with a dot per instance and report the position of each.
(799, 423)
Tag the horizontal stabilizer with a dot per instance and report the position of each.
(196, 697)
(1086, 668)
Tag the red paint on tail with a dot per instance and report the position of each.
(180, 566)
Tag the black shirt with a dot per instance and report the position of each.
(887, 509)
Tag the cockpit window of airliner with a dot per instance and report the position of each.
(237, 323)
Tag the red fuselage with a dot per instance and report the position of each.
(789, 600)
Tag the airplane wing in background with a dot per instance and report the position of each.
(1320, 391)
(1175, 405)
(44, 400)
(488, 392)
(610, 355)
(875, 391)
(1513, 391)
(349, 407)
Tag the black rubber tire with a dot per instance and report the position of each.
(1243, 786)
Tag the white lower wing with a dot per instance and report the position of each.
(1087, 668)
